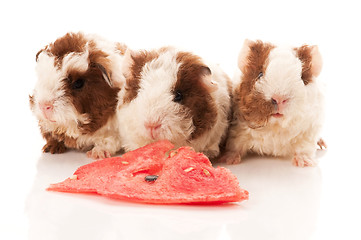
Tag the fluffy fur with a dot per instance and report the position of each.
(278, 104)
(174, 95)
(75, 97)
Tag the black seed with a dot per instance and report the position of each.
(151, 178)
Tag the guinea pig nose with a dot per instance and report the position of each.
(152, 128)
(279, 100)
(279, 103)
(46, 106)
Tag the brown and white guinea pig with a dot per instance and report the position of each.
(277, 103)
(172, 94)
(75, 97)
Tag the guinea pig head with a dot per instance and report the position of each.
(74, 86)
(274, 81)
(169, 91)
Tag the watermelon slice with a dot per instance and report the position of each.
(148, 175)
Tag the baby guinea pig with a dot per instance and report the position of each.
(174, 95)
(278, 103)
(75, 97)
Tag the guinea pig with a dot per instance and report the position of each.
(277, 103)
(75, 96)
(174, 95)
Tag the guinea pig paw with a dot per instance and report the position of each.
(322, 144)
(54, 147)
(97, 153)
(231, 158)
(211, 154)
(302, 160)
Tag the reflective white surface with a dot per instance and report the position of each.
(285, 202)
(282, 198)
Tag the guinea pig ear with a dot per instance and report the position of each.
(128, 62)
(106, 75)
(317, 63)
(311, 62)
(121, 48)
(206, 79)
(243, 55)
(37, 55)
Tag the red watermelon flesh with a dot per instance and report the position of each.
(184, 177)
(95, 175)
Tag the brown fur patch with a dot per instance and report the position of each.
(133, 81)
(304, 54)
(195, 96)
(53, 145)
(71, 42)
(250, 103)
(96, 98)
(57, 142)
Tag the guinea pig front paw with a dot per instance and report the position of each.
(322, 144)
(212, 154)
(54, 147)
(302, 160)
(231, 158)
(98, 153)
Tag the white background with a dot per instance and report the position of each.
(286, 202)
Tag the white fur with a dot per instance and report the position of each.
(297, 132)
(78, 61)
(48, 84)
(49, 88)
(154, 103)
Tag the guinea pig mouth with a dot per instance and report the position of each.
(277, 115)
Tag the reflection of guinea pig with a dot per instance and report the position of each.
(75, 97)
(174, 95)
(278, 104)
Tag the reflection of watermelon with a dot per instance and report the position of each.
(147, 175)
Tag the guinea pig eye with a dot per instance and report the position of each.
(178, 96)
(260, 75)
(78, 84)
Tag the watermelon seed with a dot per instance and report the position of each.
(189, 169)
(173, 153)
(74, 177)
(125, 163)
(206, 172)
(151, 178)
